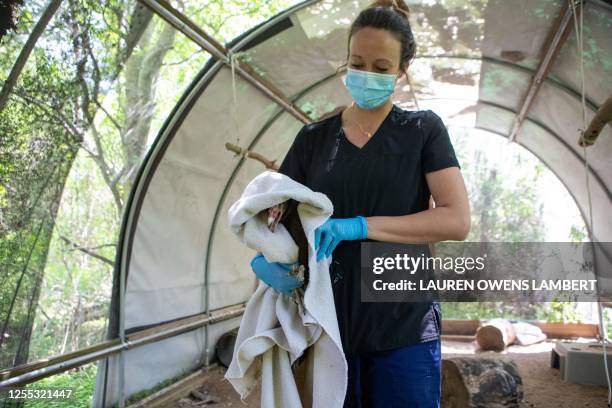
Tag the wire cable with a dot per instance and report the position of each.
(232, 57)
(579, 39)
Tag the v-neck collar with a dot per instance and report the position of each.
(374, 135)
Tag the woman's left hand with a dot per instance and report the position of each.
(335, 230)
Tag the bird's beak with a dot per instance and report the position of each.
(273, 218)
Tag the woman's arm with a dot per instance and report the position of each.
(449, 220)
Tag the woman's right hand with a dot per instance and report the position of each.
(275, 274)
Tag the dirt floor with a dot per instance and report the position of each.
(543, 387)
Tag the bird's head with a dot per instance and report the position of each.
(275, 215)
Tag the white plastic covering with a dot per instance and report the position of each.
(180, 232)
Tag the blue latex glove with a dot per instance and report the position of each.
(334, 230)
(275, 274)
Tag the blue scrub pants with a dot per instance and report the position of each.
(406, 377)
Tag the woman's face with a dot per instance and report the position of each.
(375, 50)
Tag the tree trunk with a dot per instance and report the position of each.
(480, 382)
(495, 335)
(141, 73)
(21, 356)
(37, 31)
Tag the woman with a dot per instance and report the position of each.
(379, 164)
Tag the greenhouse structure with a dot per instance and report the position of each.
(128, 129)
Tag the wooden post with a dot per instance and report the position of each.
(495, 335)
(480, 382)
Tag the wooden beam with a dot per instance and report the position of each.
(601, 119)
(183, 24)
(37, 370)
(556, 330)
(458, 337)
(552, 46)
(270, 164)
(460, 327)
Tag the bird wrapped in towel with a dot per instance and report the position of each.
(286, 213)
(275, 332)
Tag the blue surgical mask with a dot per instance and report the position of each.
(369, 89)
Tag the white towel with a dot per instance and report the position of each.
(273, 333)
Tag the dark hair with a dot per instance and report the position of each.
(390, 15)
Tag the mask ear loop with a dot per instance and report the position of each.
(412, 92)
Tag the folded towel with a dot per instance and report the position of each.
(274, 332)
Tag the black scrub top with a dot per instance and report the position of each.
(385, 177)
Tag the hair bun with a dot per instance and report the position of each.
(397, 5)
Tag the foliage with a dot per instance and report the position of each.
(555, 311)
(80, 380)
(158, 387)
(560, 311)
(607, 317)
(503, 193)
